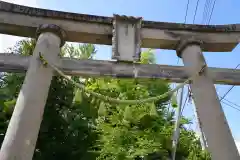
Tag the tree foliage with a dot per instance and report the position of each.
(79, 126)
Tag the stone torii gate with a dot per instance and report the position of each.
(127, 35)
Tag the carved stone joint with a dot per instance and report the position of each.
(53, 29)
(186, 42)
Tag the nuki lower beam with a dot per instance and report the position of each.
(99, 68)
(23, 21)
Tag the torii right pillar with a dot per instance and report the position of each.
(219, 138)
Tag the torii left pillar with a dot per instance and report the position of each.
(22, 133)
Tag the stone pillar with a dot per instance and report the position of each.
(218, 135)
(22, 133)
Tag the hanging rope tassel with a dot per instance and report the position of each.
(110, 99)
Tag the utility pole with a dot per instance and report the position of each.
(199, 127)
(177, 123)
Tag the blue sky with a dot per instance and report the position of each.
(225, 12)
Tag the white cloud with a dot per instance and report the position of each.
(7, 41)
(238, 145)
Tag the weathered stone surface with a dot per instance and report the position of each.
(23, 21)
(97, 68)
(31, 11)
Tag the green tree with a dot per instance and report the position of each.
(65, 131)
(143, 130)
(77, 125)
